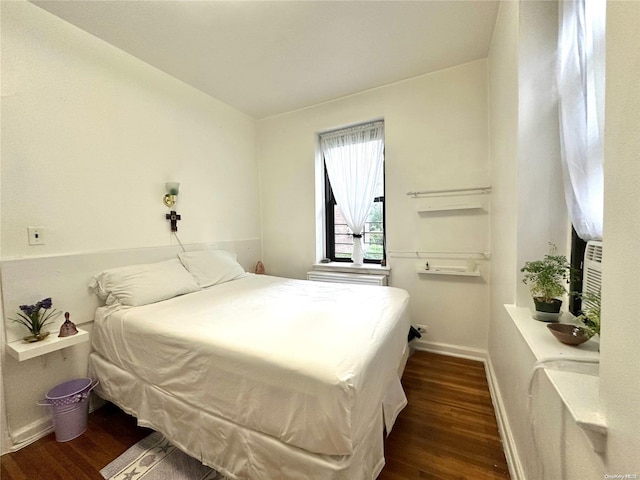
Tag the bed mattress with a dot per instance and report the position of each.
(310, 365)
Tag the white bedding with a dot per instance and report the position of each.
(308, 364)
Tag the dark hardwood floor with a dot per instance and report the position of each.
(448, 431)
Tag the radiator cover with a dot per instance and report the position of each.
(338, 277)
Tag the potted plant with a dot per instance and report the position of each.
(35, 318)
(547, 280)
(590, 314)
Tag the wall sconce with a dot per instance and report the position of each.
(171, 197)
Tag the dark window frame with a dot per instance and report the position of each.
(578, 247)
(330, 228)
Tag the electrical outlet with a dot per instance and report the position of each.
(421, 328)
(36, 235)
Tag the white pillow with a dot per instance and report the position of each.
(142, 284)
(210, 267)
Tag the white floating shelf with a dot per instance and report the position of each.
(450, 271)
(22, 350)
(442, 208)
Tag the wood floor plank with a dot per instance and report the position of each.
(447, 431)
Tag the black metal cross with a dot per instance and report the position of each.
(173, 217)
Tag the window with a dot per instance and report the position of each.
(363, 156)
(339, 239)
(580, 80)
(578, 247)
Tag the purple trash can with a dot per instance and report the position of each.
(69, 404)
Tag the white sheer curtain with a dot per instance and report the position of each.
(354, 159)
(581, 51)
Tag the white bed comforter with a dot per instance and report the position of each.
(305, 362)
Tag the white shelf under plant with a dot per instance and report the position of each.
(22, 350)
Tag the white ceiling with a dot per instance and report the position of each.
(269, 57)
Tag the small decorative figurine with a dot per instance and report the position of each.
(259, 268)
(68, 328)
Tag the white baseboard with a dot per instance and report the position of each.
(451, 350)
(31, 433)
(41, 428)
(508, 443)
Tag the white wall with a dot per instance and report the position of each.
(436, 137)
(89, 136)
(5, 442)
(528, 213)
(520, 55)
(542, 215)
(620, 355)
(503, 121)
(513, 356)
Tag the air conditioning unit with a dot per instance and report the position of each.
(592, 269)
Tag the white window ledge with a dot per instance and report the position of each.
(577, 383)
(342, 267)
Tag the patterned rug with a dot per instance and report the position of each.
(154, 458)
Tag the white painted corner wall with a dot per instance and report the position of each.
(91, 134)
(436, 137)
(541, 438)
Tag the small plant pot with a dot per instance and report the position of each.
(547, 311)
(548, 307)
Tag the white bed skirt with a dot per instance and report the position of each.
(233, 450)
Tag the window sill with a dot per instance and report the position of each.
(366, 269)
(578, 388)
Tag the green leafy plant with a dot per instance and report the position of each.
(590, 314)
(547, 278)
(35, 317)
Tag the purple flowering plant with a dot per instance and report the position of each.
(35, 317)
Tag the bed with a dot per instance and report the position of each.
(257, 376)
